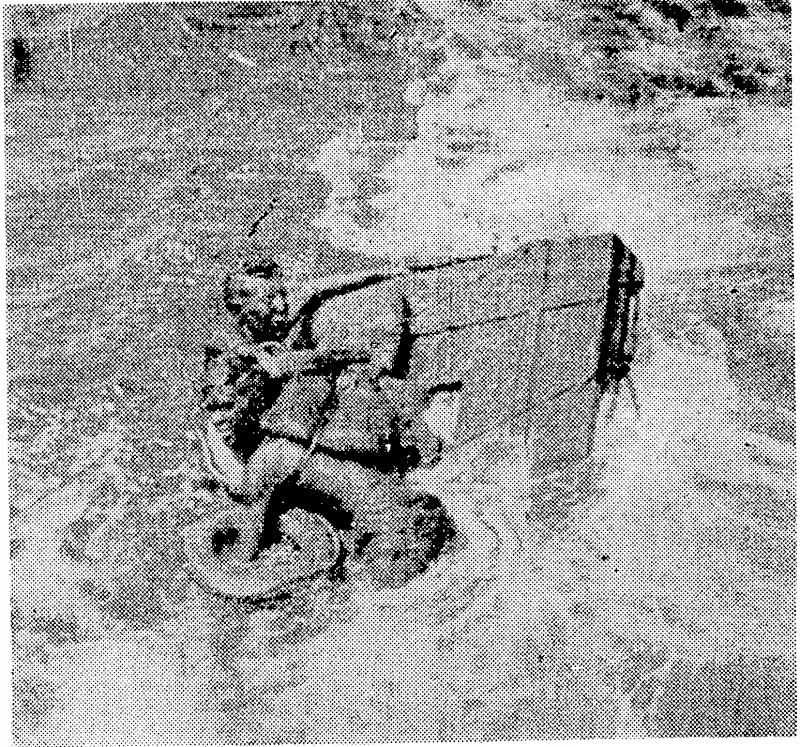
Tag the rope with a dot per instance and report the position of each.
(318, 428)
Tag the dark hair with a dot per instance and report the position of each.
(258, 268)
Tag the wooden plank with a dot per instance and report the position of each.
(482, 312)
(579, 269)
(562, 427)
(567, 351)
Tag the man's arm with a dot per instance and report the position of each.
(317, 291)
(335, 285)
(280, 363)
(318, 361)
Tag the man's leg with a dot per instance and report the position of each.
(400, 531)
(397, 531)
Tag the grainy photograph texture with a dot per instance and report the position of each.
(391, 371)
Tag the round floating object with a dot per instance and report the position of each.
(223, 556)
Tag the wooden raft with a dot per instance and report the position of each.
(531, 338)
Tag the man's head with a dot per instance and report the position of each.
(255, 296)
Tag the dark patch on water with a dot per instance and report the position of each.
(20, 51)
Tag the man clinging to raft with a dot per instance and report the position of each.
(282, 400)
(309, 391)
(277, 367)
(294, 354)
